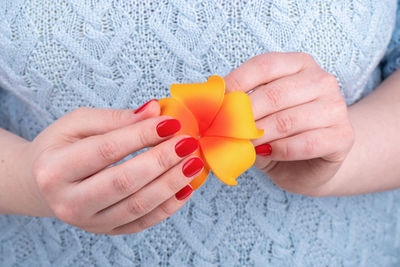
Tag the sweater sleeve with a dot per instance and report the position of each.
(391, 61)
(3, 118)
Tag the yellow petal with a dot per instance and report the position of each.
(177, 110)
(201, 178)
(227, 157)
(235, 118)
(202, 99)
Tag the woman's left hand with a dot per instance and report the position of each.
(304, 116)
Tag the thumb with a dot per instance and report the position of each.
(85, 121)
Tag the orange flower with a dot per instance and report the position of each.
(222, 123)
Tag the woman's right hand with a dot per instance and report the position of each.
(70, 167)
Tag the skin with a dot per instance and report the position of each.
(304, 117)
(320, 147)
(63, 172)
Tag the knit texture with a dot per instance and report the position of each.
(57, 55)
(391, 61)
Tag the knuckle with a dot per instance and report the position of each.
(123, 184)
(273, 94)
(44, 175)
(167, 210)
(265, 61)
(310, 146)
(67, 213)
(137, 207)
(284, 123)
(39, 171)
(174, 184)
(285, 151)
(163, 160)
(108, 151)
(330, 81)
(116, 116)
(235, 84)
(144, 137)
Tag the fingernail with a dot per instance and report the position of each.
(186, 146)
(184, 192)
(168, 127)
(264, 150)
(192, 166)
(142, 107)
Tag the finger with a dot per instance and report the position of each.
(159, 214)
(323, 142)
(265, 68)
(288, 122)
(118, 182)
(284, 93)
(89, 155)
(152, 195)
(86, 121)
(264, 163)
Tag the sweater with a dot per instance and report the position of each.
(58, 55)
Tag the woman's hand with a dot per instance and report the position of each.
(70, 162)
(299, 106)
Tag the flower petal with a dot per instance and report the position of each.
(200, 179)
(235, 118)
(202, 99)
(177, 110)
(227, 157)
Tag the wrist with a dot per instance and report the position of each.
(18, 192)
(339, 184)
(33, 201)
(344, 181)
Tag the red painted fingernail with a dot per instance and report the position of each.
(168, 127)
(192, 166)
(264, 150)
(184, 192)
(142, 107)
(186, 146)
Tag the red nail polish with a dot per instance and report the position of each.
(186, 146)
(142, 107)
(264, 150)
(192, 166)
(184, 192)
(168, 127)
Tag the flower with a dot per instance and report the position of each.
(223, 124)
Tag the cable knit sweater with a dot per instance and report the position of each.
(57, 55)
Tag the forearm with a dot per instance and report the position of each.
(373, 163)
(16, 195)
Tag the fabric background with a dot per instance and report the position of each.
(57, 55)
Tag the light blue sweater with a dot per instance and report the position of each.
(58, 55)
